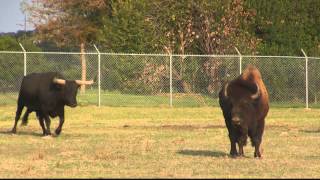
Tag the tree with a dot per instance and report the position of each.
(286, 26)
(221, 26)
(173, 25)
(68, 22)
(11, 64)
(126, 29)
(9, 43)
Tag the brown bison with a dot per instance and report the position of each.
(245, 103)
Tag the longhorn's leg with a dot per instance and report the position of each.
(59, 128)
(18, 114)
(41, 122)
(48, 122)
(25, 117)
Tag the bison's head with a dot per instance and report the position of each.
(70, 90)
(243, 98)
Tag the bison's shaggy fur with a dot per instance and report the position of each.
(245, 103)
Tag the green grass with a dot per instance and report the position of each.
(117, 99)
(155, 142)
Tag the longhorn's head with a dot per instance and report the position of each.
(70, 90)
(243, 99)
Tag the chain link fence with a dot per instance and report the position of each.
(161, 80)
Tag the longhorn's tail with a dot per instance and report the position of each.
(25, 117)
(24, 122)
(18, 113)
(252, 142)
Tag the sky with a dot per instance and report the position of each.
(11, 16)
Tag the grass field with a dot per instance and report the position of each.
(129, 142)
(117, 99)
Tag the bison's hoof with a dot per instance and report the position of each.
(234, 154)
(258, 156)
(13, 131)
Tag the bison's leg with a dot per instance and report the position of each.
(233, 150)
(59, 128)
(257, 152)
(18, 114)
(48, 122)
(232, 135)
(242, 141)
(258, 139)
(25, 117)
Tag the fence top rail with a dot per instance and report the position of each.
(166, 55)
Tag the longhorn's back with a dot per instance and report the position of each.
(39, 91)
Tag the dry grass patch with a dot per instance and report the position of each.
(157, 143)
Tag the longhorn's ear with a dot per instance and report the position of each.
(257, 93)
(79, 82)
(225, 90)
(59, 81)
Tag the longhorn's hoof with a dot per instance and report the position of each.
(46, 134)
(58, 131)
(13, 131)
(24, 123)
(46, 137)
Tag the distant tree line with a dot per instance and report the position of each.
(265, 27)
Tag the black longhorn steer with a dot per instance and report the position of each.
(46, 94)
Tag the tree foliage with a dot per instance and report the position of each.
(267, 27)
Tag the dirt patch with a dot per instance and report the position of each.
(177, 127)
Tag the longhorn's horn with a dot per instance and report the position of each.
(225, 90)
(257, 94)
(59, 81)
(84, 82)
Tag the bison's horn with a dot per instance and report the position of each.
(59, 81)
(257, 94)
(84, 82)
(225, 91)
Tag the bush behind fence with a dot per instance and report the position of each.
(148, 80)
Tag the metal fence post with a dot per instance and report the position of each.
(307, 80)
(99, 75)
(170, 80)
(240, 60)
(24, 60)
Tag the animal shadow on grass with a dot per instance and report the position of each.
(311, 131)
(24, 133)
(203, 153)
